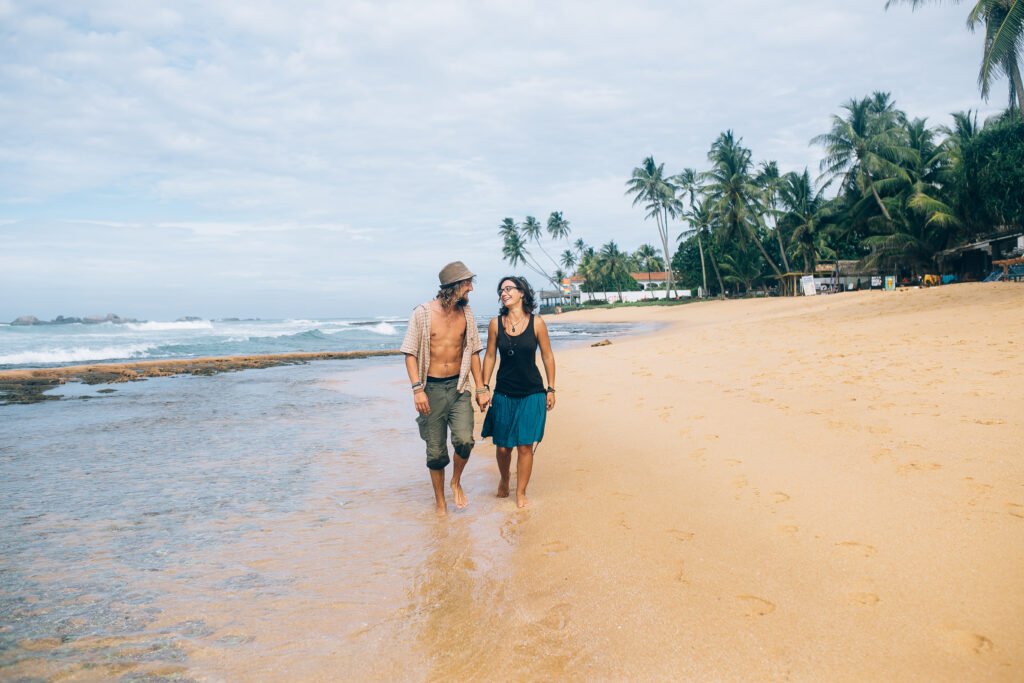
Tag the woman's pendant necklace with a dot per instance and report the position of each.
(510, 351)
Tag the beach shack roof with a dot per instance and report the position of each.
(984, 245)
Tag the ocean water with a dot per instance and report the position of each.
(56, 345)
(271, 524)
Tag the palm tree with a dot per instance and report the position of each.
(957, 137)
(864, 146)
(770, 181)
(701, 220)
(647, 259)
(515, 249)
(742, 266)
(1003, 21)
(734, 198)
(804, 215)
(587, 269)
(925, 223)
(650, 187)
(688, 181)
(612, 265)
(558, 227)
(568, 259)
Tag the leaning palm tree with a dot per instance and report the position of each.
(515, 248)
(733, 197)
(657, 194)
(1003, 21)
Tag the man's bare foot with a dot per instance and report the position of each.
(521, 500)
(502, 489)
(460, 496)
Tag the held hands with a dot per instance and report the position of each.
(483, 399)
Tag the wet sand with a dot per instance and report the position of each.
(809, 489)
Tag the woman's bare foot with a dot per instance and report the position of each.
(441, 510)
(502, 489)
(521, 500)
(460, 496)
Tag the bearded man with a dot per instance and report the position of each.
(442, 348)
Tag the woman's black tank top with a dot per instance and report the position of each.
(518, 374)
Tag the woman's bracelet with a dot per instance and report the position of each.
(484, 389)
(551, 390)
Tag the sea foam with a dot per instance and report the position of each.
(77, 355)
(165, 326)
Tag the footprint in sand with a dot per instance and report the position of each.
(789, 528)
(990, 422)
(866, 599)
(1015, 509)
(755, 606)
(665, 414)
(680, 534)
(978, 491)
(557, 617)
(918, 467)
(881, 453)
(623, 523)
(968, 642)
(733, 461)
(554, 547)
(780, 497)
(862, 548)
(681, 574)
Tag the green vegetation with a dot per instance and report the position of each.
(904, 191)
(893, 193)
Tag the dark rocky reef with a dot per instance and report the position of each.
(29, 386)
(64, 320)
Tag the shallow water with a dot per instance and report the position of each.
(271, 524)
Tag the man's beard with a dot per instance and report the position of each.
(461, 302)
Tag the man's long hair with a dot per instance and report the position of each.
(447, 295)
(529, 300)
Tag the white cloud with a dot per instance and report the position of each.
(316, 142)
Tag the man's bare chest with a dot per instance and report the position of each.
(447, 328)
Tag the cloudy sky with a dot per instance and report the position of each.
(276, 159)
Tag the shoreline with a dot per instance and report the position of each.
(28, 385)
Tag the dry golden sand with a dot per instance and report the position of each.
(807, 489)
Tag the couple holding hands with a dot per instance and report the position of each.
(442, 349)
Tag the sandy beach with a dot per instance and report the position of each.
(806, 489)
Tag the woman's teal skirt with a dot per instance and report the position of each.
(516, 421)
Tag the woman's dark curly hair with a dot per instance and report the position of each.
(529, 299)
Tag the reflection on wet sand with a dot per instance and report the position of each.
(259, 526)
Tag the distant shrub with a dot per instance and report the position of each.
(595, 302)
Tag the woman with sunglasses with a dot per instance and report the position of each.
(520, 403)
